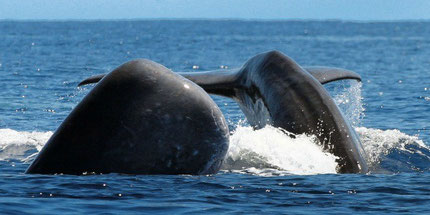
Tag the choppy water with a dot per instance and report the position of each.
(265, 171)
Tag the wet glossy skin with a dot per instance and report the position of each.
(140, 119)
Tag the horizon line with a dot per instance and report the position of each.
(217, 19)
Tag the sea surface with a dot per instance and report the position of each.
(266, 171)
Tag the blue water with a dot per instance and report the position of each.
(41, 64)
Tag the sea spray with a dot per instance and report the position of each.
(379, 143)
(273, 148)
(21, 145)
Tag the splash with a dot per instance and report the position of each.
(347, 97)
(271, 151)
(272, 148)
(21, 145)
(386, 150)
(393, 145)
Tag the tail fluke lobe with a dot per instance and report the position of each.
(328, 74)
(92, 79)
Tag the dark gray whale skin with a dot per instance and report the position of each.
(272, 89)
(140, 119)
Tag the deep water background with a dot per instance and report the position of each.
(41, 64)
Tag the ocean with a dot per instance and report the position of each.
(265, 171)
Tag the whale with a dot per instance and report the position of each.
(272, 89)
(140, 119)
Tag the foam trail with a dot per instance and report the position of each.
(255, 150)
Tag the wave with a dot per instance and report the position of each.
(272, 151)
(393, 151)
(21, 145)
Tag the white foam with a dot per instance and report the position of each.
(265, 152)
(272, 148)
(21, 145)
(377, 143)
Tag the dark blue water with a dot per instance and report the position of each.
(41, 64)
